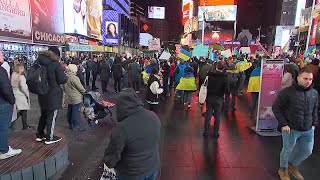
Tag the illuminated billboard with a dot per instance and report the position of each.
(155, 12)
(218, 13)
(300, 6)
(283, 34)
(185, 13)
(216, 2)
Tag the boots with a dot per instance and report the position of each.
(295, 172)
(283, 173)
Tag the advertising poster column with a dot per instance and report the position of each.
(15, 21)
(271, 76)
(47, 21)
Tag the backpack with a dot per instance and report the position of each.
(37, 79)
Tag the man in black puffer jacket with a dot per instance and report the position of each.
(51, 102)
(296, 109)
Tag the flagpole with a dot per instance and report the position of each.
(310, 25)
(204, 18)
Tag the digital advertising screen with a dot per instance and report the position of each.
(155, 12)
(216, 2)
(185, 13)
(47, 21)
(301, 4)
(224, 35)
(110, 27)
(283, 34)
(75, 17)
(144, 39)
(94, 18)
(218, 13)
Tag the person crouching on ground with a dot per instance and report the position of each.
(296, 109)
(134, 144)
(21, 93)
(153, 91)
(187, 85)
(74, 90)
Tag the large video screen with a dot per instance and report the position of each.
(217, 2)
(75, 17)
(110, 27)
(155, 12)
(218, 13)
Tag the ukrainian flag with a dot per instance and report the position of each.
(254, 81)
(187, 84)
(184, 54)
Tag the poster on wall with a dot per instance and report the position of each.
(271, 76)
(47, 21)
(110, 28)
(75, 17)
(15, 21)
(94, 18)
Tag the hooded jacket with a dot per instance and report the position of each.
(218, 85)
(297, 108)
(73, 89)
(56, 76)
(134, 144)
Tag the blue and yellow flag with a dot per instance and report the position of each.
(184, 54)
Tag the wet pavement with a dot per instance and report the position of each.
(239, 153)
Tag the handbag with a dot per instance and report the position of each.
(203, 91)
(108, 174)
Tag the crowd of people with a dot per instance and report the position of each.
(133, 149)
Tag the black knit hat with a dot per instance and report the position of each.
(55, 50)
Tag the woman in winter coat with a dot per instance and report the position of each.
(21, 93)
(105, 73)
(117, 73)
(74, 90)
(187, 85)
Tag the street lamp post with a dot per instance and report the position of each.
(203, 21)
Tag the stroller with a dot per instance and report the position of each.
(95, 109)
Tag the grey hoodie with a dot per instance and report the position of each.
(134, 144)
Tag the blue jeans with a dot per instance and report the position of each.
(297, 147)
(73, 114)
(152, 176)
(187, 96)
(5, 122)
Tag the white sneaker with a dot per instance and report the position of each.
(10, 153)
(137, 92)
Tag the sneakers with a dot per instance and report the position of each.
(283, 173)
(55, 139)
(40, 137)
(189, 105)
(295, 172)
(137, 92)
(10, 153)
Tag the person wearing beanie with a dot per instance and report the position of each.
(51, 102)
(74, 90)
